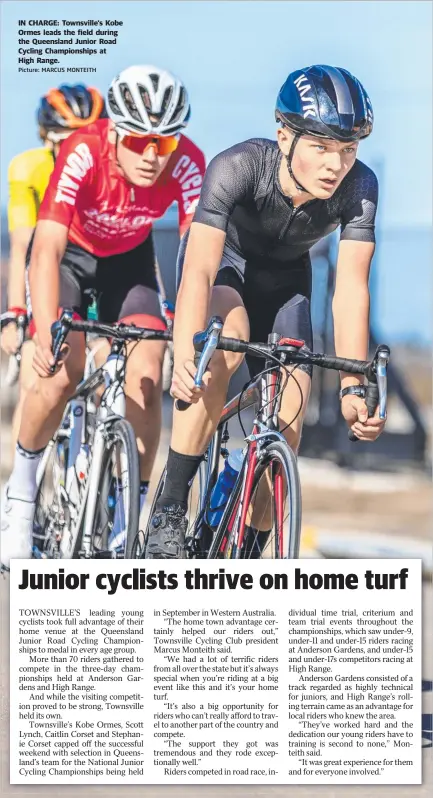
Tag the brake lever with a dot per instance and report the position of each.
(205, 344)
(377, 390)
(59, 333)
(383, 355)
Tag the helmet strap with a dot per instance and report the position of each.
(116, 146)
(289, 159)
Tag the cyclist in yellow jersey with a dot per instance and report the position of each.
(61, 111)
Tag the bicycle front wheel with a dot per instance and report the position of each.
(115, 523)
(54, 512)
(272, 528)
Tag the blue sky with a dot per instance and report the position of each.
(233, 57)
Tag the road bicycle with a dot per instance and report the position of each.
(262, 516)
(88, 481)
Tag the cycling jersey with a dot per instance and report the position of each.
(242, 195)
(106, 215)
(28, 177)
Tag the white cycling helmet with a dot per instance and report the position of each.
(145, 99)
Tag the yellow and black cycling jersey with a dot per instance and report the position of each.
(28, 177)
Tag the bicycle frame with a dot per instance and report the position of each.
(265, 391)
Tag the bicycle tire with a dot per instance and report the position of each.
(119, 431)
(279, 453)
(52, 518)
(196, 499)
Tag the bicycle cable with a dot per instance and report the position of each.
(288, 375)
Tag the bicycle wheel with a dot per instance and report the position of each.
(273, 517)
(196, 536)
(53, 512)
(117, 508)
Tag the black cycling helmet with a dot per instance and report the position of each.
(70, 107)
(324, 101)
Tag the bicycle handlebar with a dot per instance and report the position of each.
(121, 332)
(375, 370)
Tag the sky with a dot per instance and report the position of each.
(233, 58)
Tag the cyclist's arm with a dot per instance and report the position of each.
(202, 259)
(54, 220)
(227, 181)
(351, 303)
(22, 209)
(187, 174)
(49, 245)
(19, 241)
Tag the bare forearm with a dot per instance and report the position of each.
(192, 308)
(351, 312)
(44, 291)
(17, 265)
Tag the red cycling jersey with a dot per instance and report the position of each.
(105, 214)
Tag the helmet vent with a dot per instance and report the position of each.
(129, 102)
(166, 99)
(112, 102)
(144, 94)
(179, 107)
(155, 81)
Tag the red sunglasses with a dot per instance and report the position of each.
(164, 145)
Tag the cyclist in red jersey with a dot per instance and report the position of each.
(112, 179)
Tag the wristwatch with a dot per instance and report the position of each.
(355, 390)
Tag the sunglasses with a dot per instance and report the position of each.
(164, 145)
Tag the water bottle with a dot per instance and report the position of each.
(224, 487)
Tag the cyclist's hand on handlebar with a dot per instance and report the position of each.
(43, 360)
(183, 387)
(10, 338)
(355, 412)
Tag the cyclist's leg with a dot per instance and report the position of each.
(43, 409)
(129, 292)
(26, 380)
(193, 429)
(41, 414)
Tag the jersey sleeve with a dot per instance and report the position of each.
(359, 208)
(229, 181)
(22, 207)
(75, 167)
(187, 176)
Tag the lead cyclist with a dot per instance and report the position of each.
(263, 205)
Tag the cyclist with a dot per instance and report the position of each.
(262, 207)
(110, 182)
(60, 112)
